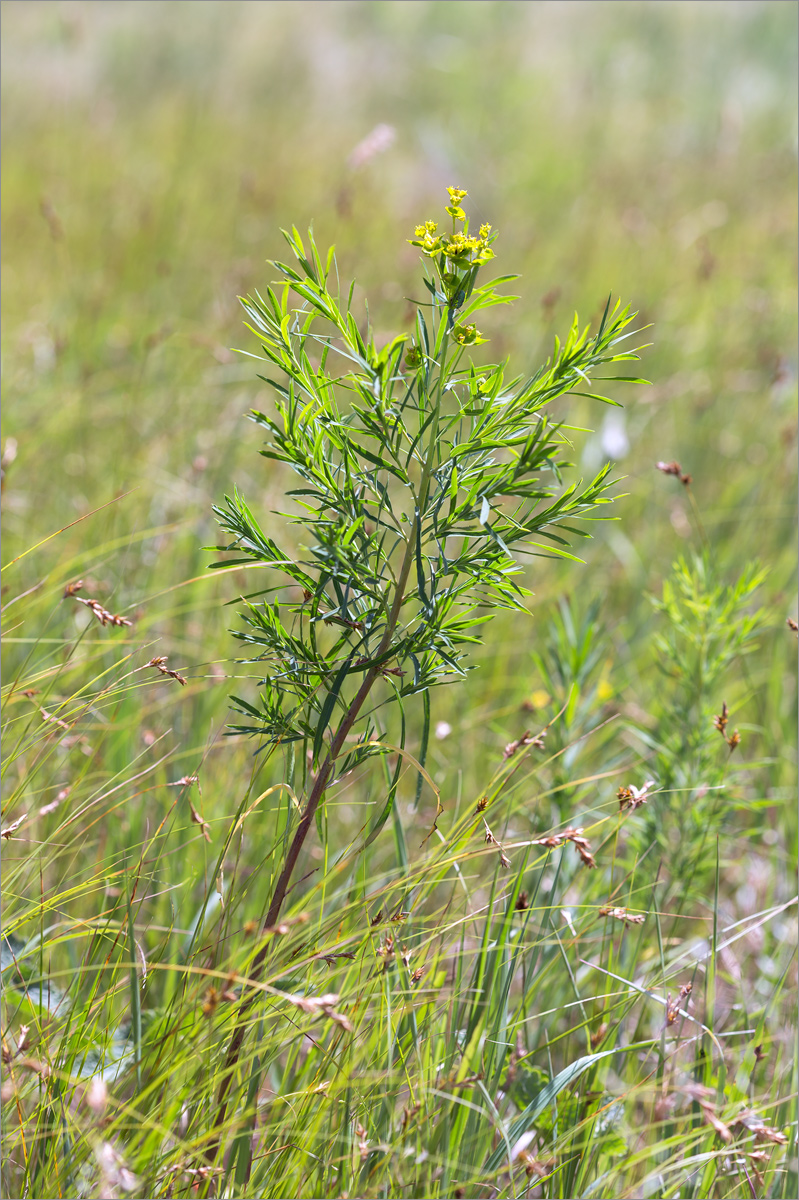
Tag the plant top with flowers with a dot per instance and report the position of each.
(458, 258)
(422, 479)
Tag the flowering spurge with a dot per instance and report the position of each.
(424, 480)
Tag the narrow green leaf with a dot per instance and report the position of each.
(135, 998)
(423, 746)
(543, 1100)
(329, 704)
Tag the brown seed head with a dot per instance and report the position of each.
(581, 845)
(632, 797)
(720, 721)
(766, 1133)
(160, 665)
(102, 614)
(621, 914)
(198, 820)
(211, 1002)
(674, 468)
(526, 739)
(598, 1035)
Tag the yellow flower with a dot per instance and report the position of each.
(426, 237)
(456, 195)
(459, 246)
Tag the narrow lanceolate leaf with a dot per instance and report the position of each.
(135, 997)
(542, 1100)
(329, 705)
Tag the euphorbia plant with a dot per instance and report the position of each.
(422, 480)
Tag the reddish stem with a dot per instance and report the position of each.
(278, 896)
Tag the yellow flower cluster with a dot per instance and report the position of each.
(426, 237)
(457, 254)
(460, 248)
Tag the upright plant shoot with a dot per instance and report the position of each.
(422, 480)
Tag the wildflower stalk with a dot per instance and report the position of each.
(490, 482)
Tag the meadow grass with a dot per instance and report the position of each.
(432, 1024)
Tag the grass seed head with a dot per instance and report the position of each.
(674, 468)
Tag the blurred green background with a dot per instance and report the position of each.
(152, 151)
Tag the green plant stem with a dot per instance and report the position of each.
(322, 779)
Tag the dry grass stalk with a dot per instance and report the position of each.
(201, 821)
(492, 841)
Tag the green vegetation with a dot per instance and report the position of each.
(542, 941)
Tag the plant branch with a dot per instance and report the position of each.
(317, 791)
